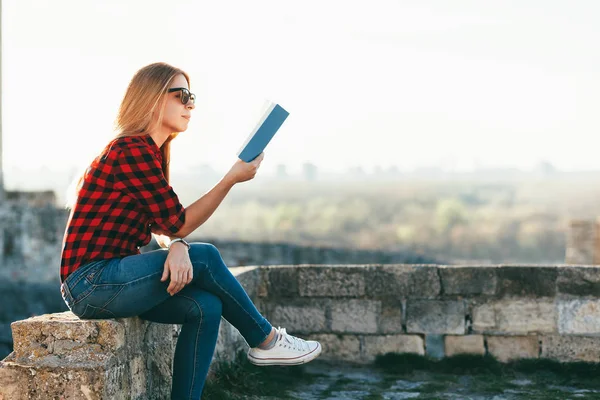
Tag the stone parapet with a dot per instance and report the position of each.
(357, 312)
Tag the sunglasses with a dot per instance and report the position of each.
(186, 95)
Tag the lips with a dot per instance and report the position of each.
(186, 117)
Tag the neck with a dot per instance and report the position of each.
(159, 137)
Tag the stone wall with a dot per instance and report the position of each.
(508, 311)
(356, 311)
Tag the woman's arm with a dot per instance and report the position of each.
(200, 211)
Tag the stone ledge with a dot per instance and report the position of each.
(567, 348)
(58, 355)
(315, 281)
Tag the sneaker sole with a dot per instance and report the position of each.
(286, 361)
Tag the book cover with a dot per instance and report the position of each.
(269, 123)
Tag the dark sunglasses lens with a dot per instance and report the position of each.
(185, 96)
(193, 98)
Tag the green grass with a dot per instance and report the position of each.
(463, 375)
(242, 380)
(477, 365)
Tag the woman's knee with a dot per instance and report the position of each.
(205, 253)
(205, 307)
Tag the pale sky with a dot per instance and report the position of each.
(405, 83)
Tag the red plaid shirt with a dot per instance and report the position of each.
(124, 195)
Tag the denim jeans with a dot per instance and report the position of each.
(131, 286)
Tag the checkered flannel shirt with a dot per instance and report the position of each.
(124, 196)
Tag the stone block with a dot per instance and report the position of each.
(332, 281)
(250, 279)
(579, 280)
(435, 317)
(579, 316)
(383, 344)
(298, 318)
(537, 281)
(515, 317)
(567, 348)
(282, 281)
(507, 348)
(402, 281)
(21, 382)
(338, 347)
(65, 335)
(354, 316)
(468, 280)
(464, 344)
(390, 317)
(484, 317)
(66, 357)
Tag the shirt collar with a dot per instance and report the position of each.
(153, 145)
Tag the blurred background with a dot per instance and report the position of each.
(419, 131)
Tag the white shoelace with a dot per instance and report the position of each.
(294, 342)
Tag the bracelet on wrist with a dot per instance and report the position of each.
(179, 240)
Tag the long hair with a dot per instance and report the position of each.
(145, 95)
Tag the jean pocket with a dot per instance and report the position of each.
(92, 312)
(93, 272)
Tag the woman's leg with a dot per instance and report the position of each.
(131, 286)
(211, 274)
(199, 313)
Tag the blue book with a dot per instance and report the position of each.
(267, 126)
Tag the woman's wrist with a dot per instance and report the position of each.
(180, 241)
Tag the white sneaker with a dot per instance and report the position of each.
(288, 350)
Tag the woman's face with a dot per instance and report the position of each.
(176, 115)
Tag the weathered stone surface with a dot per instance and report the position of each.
(332, 281)
(571, 348)
(515, 317)
(300, 319)
(484, 317)
(539, 281)
(354, 316)
(579, 316)
(338, 347)
(383, 344)
(464, 344)
(468, 280)
(249, 278)
(66, 335)
(397, 281)
(20, 382)
(507, 348)
(229, 343)
(390, 317)
(579, 280)
(435, 316)
(282, 281)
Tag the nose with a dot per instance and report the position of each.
(190, 105)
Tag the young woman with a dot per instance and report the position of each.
(123, 198)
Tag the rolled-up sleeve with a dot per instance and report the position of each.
(138, 173)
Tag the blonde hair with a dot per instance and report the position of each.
(145, 95)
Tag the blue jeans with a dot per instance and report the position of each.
(131, 286)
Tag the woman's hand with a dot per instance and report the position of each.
(242, 171)
(179, 266)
